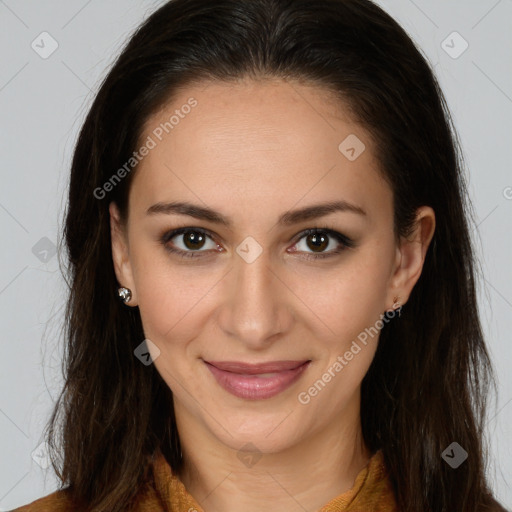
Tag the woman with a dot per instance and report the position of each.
(272, 289)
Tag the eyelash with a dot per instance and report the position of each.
(345, 242)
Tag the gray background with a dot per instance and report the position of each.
(42, 104)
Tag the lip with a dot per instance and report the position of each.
(249, 381)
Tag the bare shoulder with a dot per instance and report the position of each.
(55, 502)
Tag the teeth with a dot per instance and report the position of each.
(267, 374)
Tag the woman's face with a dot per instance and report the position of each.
(254, 164)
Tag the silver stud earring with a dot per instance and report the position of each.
(125, 294)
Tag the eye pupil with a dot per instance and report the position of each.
(193, 239)
(319, 241)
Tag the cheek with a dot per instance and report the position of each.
(352, 309)
(170, 296)
(348, 302)
(348, 298)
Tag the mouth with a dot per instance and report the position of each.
(256, 381)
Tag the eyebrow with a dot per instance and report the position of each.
(286, 219)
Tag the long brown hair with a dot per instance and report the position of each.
(428, 382)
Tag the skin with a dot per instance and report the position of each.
(253, 150)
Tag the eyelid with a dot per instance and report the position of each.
(333, 233)
(344, 243)
(169, 235)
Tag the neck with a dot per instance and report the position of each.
(303, 476)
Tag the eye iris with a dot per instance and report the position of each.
(193, 239)
(319, 241)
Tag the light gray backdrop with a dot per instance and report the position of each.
(53, 55)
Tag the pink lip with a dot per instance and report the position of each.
(245, 381)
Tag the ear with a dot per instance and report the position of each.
(410, 257)
(120, 252)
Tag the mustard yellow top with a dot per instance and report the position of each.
(371, 492)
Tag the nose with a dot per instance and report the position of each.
(255, 310)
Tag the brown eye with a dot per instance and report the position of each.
(188, 242)
(193, 240)
(317, 242)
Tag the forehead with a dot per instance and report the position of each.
(255, 143)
